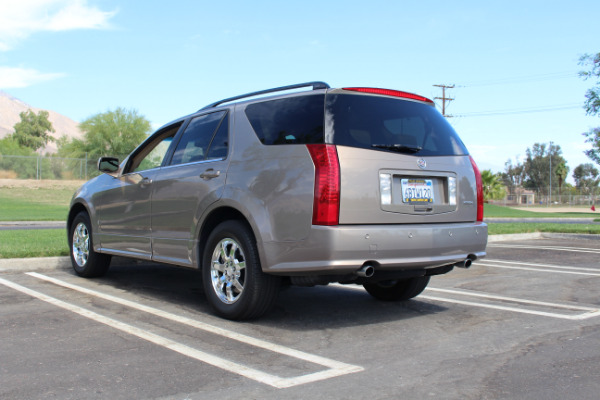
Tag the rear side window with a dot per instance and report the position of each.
(381, 123)
(197, 138)
(293, 120)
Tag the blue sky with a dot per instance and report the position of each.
(514, 63)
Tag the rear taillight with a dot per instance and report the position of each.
(479, 190)
(389, 92)
(326, 206)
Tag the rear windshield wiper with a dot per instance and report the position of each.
(400, 148)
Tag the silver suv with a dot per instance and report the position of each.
(354, 185)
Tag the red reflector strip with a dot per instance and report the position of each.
(326, 205)
(389, 92)
(479, 190)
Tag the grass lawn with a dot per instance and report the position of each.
(33, 243)
(34, 204)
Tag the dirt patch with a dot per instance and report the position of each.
(40, 184)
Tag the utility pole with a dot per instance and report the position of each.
(550, 153)
(444, 98)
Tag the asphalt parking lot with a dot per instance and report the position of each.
(522, 323)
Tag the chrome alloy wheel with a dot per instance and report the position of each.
(228, 270)
(81, 244)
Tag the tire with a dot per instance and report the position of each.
(234, 284)
(397, 290)
(85, 261)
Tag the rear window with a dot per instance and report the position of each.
(392, 124)
(293, 120)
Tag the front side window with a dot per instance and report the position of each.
(292, 120)
(152, 154)
(197, 138)
(390, 124)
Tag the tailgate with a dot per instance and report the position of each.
(380, 187)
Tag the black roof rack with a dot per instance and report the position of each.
(315, 86)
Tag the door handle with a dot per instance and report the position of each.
(210, 174)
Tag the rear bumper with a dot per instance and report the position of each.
(345, 248)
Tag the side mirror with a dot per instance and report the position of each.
(108, 165)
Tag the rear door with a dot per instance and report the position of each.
(400, 161)
(193, 179)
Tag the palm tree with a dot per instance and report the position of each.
(493, 189)
(561, 171)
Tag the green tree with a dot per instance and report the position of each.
(537, 166)
(513, 175)
(561, 171)
(592, 102)
(113, 133)
(33, 131)
(586, 176)
(16, 158)
(493, 189)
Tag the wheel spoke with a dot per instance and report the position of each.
(224, 253)
(229, 293)
(237, 284)
(219, 267)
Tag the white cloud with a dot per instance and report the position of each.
(11, 77)
(22, 18)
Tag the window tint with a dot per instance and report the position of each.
(378, 122)
(194, 143)
(294, 120)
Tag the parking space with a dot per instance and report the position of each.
(146, 331)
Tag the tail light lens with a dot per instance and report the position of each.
(479, 190)
(326, 206)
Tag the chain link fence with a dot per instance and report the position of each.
(566, 196)
(44, 167)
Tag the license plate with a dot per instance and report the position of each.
(417, 191)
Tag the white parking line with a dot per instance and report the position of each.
(335, 368)
(512, 299)
(556, 269)
(556, 248)
(590, 312)
(583, 316)
(541, 265)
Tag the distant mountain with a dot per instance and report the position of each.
(10, 107)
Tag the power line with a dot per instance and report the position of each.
(522, 110)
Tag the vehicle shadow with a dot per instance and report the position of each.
(297, 308)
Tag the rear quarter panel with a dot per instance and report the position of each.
(271, 185)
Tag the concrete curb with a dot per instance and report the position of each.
(33, 223)
(541, 235)
(514, 236)
(54, 263)
(34, 264)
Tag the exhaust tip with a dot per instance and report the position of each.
(464, 264)
(366, 271)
